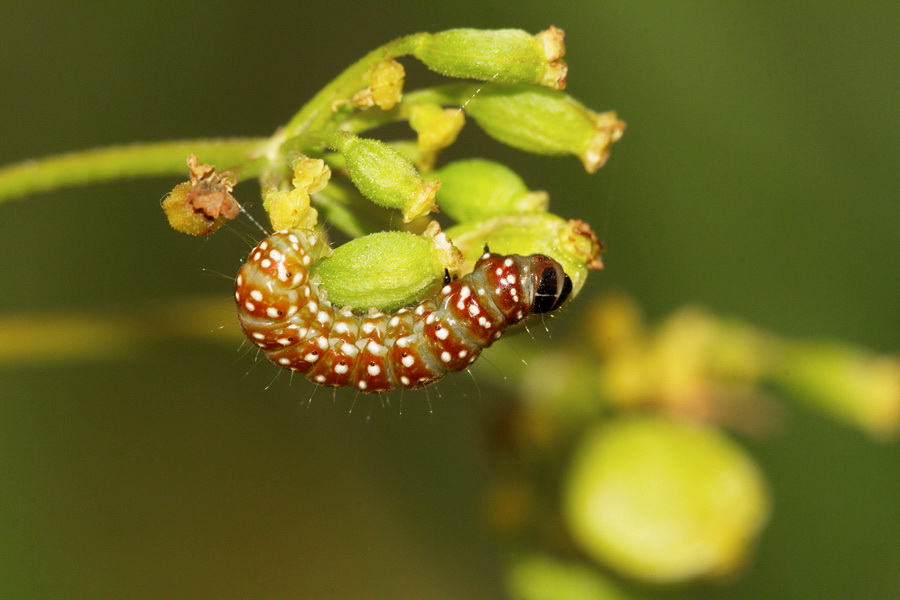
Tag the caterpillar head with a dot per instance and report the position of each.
(552, 285)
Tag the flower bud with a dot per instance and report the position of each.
(479, 189)
(571, 243)
(664, 502)
(436, 127)
(203, 204)
(546, 122)
(386, 270)
(501, 55)
(290, 209)
(386, 87)
(388, 178)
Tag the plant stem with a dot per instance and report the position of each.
(316, 113)
(122, 162)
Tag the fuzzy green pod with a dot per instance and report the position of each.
(545, 121)
(664, 501)
(848, 383)
(501, 55)
(571, 243)
(385, 270)
(387, 178)
(479, 189)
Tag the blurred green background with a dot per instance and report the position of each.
(757, 177)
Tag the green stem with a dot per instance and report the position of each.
(122, 162)
(316, 113)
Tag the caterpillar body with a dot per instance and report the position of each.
(285, 314)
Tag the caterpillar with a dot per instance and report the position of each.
(284, 313)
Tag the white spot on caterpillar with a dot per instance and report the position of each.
(292, 310)
(349, 349)
(408, 361)
(404, 380)
(442, 334)
(264, 245)
(323, 317)
(311, 357)
(272, 312)
(402, 342)
(293, 239)
(373, 370)
(498, 271)
(362, 384)
(465, 292)
(257, 256)
(265, 263)
(240, 280)
(341, 327)
(445, 356)
(474, 311)
(306, 260)
(394, 321)
(256, 295)
(258, 335)
(376, 348)
(320, 379)
(284, 361)
(341, 369)
(430, 318)
(276, 255)
(284, 341)
(237, 296)
(249, 306)
(420, 310)
(445, 290)
(312, 306)
(511, 279)
(508, 262)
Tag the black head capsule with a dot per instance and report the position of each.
(553, 285)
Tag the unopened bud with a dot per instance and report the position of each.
(501, 55)
(546, 122)
(436, 127)
(386, 87)
(479, 189)
(290, 209)
(386, 270)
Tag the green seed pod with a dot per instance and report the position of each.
(479, 189)
(547, 578)
(501, 55)
(545, 122)
(664, 501)
(571, 243)
(850, 384)
(387, 178)
(385, 270)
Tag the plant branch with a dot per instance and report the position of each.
(123, 162)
